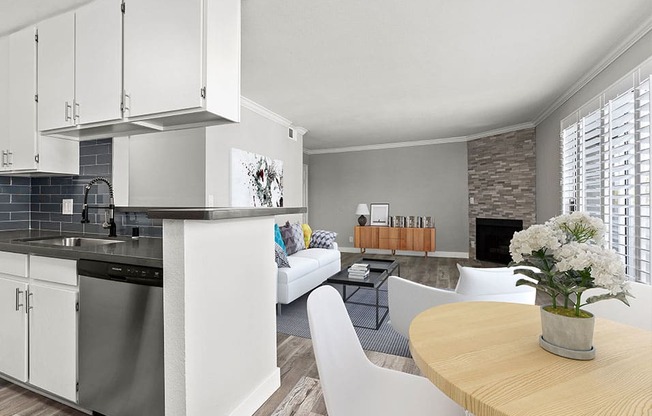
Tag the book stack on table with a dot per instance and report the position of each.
(358, 271)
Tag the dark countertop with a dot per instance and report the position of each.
(144, 251)
(219, 213)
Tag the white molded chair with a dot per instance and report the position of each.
(352, 385)
(407, 299)
(638, 314)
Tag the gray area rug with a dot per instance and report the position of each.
(294, 321)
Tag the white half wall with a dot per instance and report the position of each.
(219, 316)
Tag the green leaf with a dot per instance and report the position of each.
(621, 296)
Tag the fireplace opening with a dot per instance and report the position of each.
(492, 237)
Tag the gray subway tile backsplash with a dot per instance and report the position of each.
(35, 203)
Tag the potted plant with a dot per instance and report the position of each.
(569, 252)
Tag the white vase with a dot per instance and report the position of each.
(570, 337)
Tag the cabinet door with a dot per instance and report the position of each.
(162, 55)
(53, 340)
(22, 89)
(407, 238)
(4, 101)
(98, 62)
(56, 71)
(13, 329)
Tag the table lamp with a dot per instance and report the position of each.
(362, 210)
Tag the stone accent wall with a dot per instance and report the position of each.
(502, 179)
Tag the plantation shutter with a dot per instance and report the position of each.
(605, 163)
(570, 164)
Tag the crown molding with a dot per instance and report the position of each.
(269, 114)
(396, 145)
(502, 130)
(636, 35)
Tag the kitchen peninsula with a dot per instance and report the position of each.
(219, 319)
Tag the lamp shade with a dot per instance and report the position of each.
(362, 209)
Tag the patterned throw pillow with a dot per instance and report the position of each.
(293, 240)
(307, 233)
(280, 257)
(298, 235)
(277, 237)
(322, 239)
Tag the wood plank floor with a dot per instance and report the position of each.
(299, 393)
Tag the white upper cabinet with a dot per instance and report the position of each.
(162, 56)
(22, 89)
(156, 65)
(56, 72)
(80, 64)
(23, 149)
(4, 103)
(98, 62)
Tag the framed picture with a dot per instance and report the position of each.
(379, 214)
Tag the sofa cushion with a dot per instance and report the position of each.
(280, 257)
(322, 239)
(298, 234)
(322, 255)
(278, 239)
(299, 267)
(292, 237)
(307, 233)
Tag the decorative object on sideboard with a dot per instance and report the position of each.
(362, 210)
(570, 254)
(428, 222)
(380, 214)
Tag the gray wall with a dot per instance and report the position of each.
(548, 193)
(423, 180)
(193, 167)
(256, 134)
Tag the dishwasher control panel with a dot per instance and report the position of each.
(151, 276)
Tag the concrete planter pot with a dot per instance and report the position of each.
(568, 337)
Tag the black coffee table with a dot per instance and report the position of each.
(379, 271)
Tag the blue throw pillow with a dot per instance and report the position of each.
(278, 239)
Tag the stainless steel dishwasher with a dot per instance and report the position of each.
(121, 339)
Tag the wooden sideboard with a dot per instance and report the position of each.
(394, 238)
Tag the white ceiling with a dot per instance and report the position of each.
(358, 73)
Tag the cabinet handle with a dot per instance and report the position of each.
(29, 306)
(127, 102)
(4, 158)
(18, 304)
(10, 158)
(67, 111)
(75, 112)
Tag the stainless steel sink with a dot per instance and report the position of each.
(71, 241)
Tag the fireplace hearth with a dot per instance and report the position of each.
(492, 238)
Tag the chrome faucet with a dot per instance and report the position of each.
(109, 221)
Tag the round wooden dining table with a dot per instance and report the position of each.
(486, 356)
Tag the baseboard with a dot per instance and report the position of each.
(447, 254)
(259, 396)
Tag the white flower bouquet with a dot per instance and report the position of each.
(568, 250)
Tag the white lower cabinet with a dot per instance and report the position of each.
(13, 328)
(42, 303)
(53, 340)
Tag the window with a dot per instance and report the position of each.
(606, 167)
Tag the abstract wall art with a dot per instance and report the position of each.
(256, 180)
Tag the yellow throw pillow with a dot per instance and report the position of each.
(307, 233)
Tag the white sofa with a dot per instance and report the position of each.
(308, 269)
